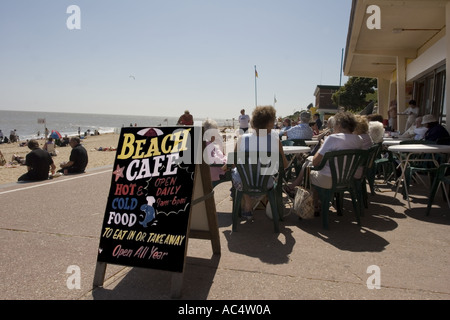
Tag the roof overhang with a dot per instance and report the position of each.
(406, 28)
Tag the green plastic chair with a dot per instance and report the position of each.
(415, 167)
(343, 165)
(287, 142)
(372, 170)
(362, 182)
(439, 179)
(254, 183)
(386, 164)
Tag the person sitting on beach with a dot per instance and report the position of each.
(49, 141)
(64, 141)
(78, 159)
(186, 119)
(18, 159)
(49, 146)
(38, 163)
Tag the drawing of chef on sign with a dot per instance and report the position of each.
(149, 212)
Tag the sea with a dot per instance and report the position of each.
(31, 124)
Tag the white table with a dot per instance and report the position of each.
(296, 149)
(311, 142)
(391, 142)
(405, 151)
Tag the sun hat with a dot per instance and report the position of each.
(428, 118)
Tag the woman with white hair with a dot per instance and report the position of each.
(376, 131)
(213, 152)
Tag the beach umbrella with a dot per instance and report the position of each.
(55, 134)
(150, 132)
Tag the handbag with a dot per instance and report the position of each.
(303, 203)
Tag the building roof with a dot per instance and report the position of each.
(407, 28)
(331, 87)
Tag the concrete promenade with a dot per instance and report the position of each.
(48, 228)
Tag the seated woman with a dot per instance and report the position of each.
(214, 151)
(49, 141)
(262, 120)
(362, 129)
(49, 146)
(342, 138)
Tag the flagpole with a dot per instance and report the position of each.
(256, 96)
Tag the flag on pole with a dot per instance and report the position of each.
(256, 73)
(274, 99)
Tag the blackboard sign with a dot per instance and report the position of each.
(148, 210)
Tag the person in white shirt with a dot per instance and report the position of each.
(416, 131)
(412, 111)
(244, 120)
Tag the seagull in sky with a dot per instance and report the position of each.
(133, 77)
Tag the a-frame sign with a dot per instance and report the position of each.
(160, 196)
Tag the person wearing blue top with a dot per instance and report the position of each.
(302, 130)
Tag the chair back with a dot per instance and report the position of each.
(287, 142)
(372, 154)
(51, 149)
(255, 170)
(298, 142)
(343, 165)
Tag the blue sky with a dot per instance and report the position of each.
(183, 54)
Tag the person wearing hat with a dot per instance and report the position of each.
(435, 130)
(412, 111)
(38, 163)
(301, 130)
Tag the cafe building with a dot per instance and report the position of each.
(405, 45)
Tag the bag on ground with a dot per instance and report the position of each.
(303, 203)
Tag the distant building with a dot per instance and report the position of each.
(324, 104)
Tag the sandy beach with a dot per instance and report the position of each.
(12, 170)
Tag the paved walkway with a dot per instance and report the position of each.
(49, 229)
